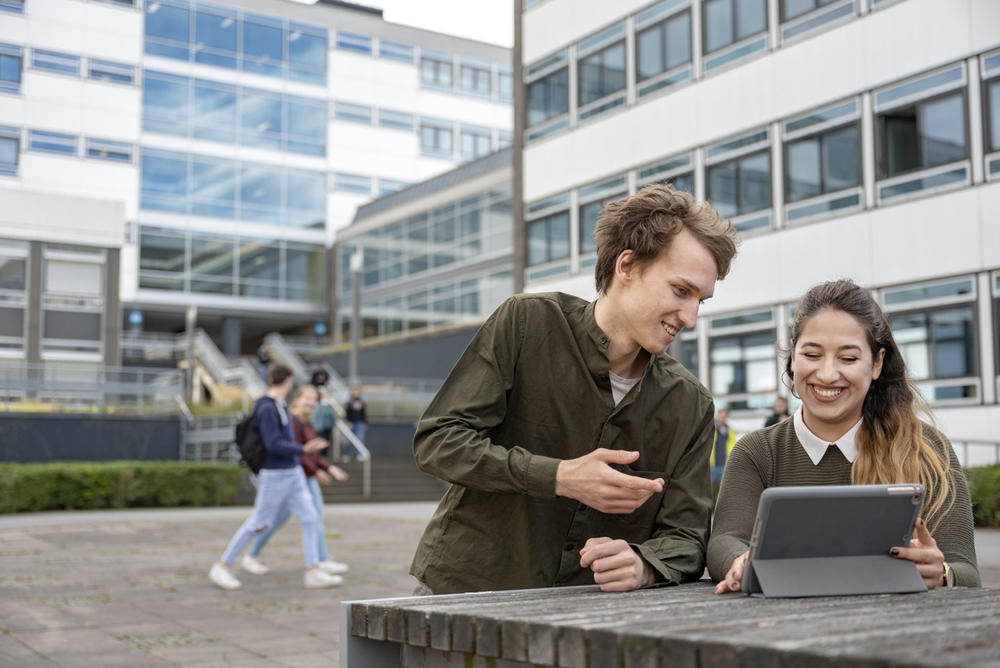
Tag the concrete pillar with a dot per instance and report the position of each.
(232, 336)
(112, 309)
(33, 343)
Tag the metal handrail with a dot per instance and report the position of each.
(365, 456)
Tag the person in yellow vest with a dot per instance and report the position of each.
(725, 439)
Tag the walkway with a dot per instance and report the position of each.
(129, 588)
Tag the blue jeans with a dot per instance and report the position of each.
(284, 513)
(717, 474)
(359, 428)
(278, 488)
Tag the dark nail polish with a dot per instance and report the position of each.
(894, 552)
(921, 521)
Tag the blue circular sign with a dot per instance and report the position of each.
(135, 318)
(320, 329)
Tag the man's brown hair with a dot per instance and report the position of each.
(278, 374)
(647, 222)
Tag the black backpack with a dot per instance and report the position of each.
(252, 450)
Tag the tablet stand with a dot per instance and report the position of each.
(832, 576)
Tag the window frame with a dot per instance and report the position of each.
(92, 150)
(601, 44)
(55, 137)
(952, 175)
(606, 190)
(658, 17)
(822, 17)
(109, 77)
(990, 76)
(12, 52)
(478, 69)
(439, 128)
(737, 149)
(811, 125)
(352, 113)
(51, 66)
(717, 329)
(440, 62)
(545, 210)
(737, 50)
(666, 170)
(8, 133)
(477, 133)
(542, 71)
(928, 306)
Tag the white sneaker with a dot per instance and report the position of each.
(252, 566)
(221, 576)
(333, 567)
(317, 579)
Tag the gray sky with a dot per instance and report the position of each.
(484, 20)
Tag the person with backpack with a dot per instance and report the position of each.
(318, 472)
(281, 482)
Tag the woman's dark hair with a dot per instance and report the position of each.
(891, 444)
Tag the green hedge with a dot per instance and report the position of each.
(116, 484)
(984, 488)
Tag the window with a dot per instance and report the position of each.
(476, 143)
(10, 69)
(226, 188)
(475, 78)
(356, 43)
(102, 70)
(168, 30)
(506, 139)
(675, 171)
(799, 17)
(592, 200)
(548, 96)
(505, 85)
(991, 124)
(934, 325)
(738, 180)
(662, 46)
(395, 119)
(15, 6)
(353, 112)
(921, 134)
(51, 142)
(395, 51)
(388, 186)
(601, 71)
(100, 149)
(262, 119)
(733, 29)
(352, 183)
(436, 138)
(743, 363)
(548, 238)
(823, 161)
(49, 61)
(215, 33)
(9, 148)
(435, 69)
(684, 349)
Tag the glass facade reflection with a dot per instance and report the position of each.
(226, 188)
(236, 40)
(267, 268)
(215, 111)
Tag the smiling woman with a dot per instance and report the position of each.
(859, 424)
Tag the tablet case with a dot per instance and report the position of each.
(833, 540)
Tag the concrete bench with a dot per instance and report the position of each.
(686, 626)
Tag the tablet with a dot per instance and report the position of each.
(833, 540)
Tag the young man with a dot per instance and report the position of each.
(577, 449)
(281, 481)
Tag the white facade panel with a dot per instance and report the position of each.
(555, 24)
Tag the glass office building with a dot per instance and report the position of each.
(238, 140)
(853, 138)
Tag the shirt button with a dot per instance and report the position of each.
(569, 547)
(582, 507)
(604, 340)
(604, 379)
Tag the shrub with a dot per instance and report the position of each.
(984, 488)
(117, 484)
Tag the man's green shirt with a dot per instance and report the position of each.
(533, 389)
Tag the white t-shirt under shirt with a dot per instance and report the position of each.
(621, 386)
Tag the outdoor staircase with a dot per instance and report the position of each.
(393, 479)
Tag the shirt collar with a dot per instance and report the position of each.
(816, 447)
